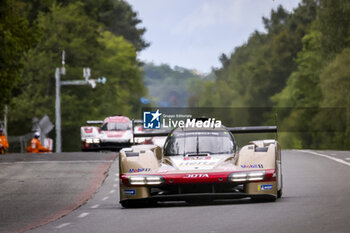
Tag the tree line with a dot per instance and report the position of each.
(167, 86)
(299, 68)
(103, 35)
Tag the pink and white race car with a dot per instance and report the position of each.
(114, 133)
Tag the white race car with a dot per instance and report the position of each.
(114, 133)
(199, 163)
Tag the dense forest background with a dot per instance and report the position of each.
(299, 68)
(103, 35)
(169, 87)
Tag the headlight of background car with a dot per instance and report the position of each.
(246, 176)
(145, 180)
(92, 140)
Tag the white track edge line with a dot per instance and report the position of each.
(83, 215)
(94, 206)
(327, 156)
(63, 225)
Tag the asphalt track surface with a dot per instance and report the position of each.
(36, 189)
(316, 199)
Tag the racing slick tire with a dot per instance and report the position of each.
(264, 199)
(279, 193)
(200, 201)
(137, 203)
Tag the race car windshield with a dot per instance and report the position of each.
(195, 143)
(115, 126)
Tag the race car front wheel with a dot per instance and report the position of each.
(280, 192)
(137, 203)
(258, 198)
(279, 180)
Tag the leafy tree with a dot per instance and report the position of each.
(169, 87)
(86, 45)
(62, 28)
(117, 16)
(259, 69)
(16, 37)
(335, 81)
(302, 89)
(335, 86)
(121, 20)
(299, 66)
(318, 82)
(278, 68)
(118, 62)
(334, 19)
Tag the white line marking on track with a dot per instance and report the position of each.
(326, 156)
(94, 206)
(112, 191)
(83, 215)
(347, 158)
(105, 198)
(63, 225)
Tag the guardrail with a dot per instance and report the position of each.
(19, 143)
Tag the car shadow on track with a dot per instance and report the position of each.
(193, 203)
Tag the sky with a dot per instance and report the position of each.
(194, 33)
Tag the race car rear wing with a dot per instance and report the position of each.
(234, 130)
(153, 133)
(94, 122)
(253, 129)
(136, 121)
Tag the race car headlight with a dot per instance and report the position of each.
(145, 180)
(253, 176)
(238, 177)
(137, 180)
(246, 176)
(89, 140)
